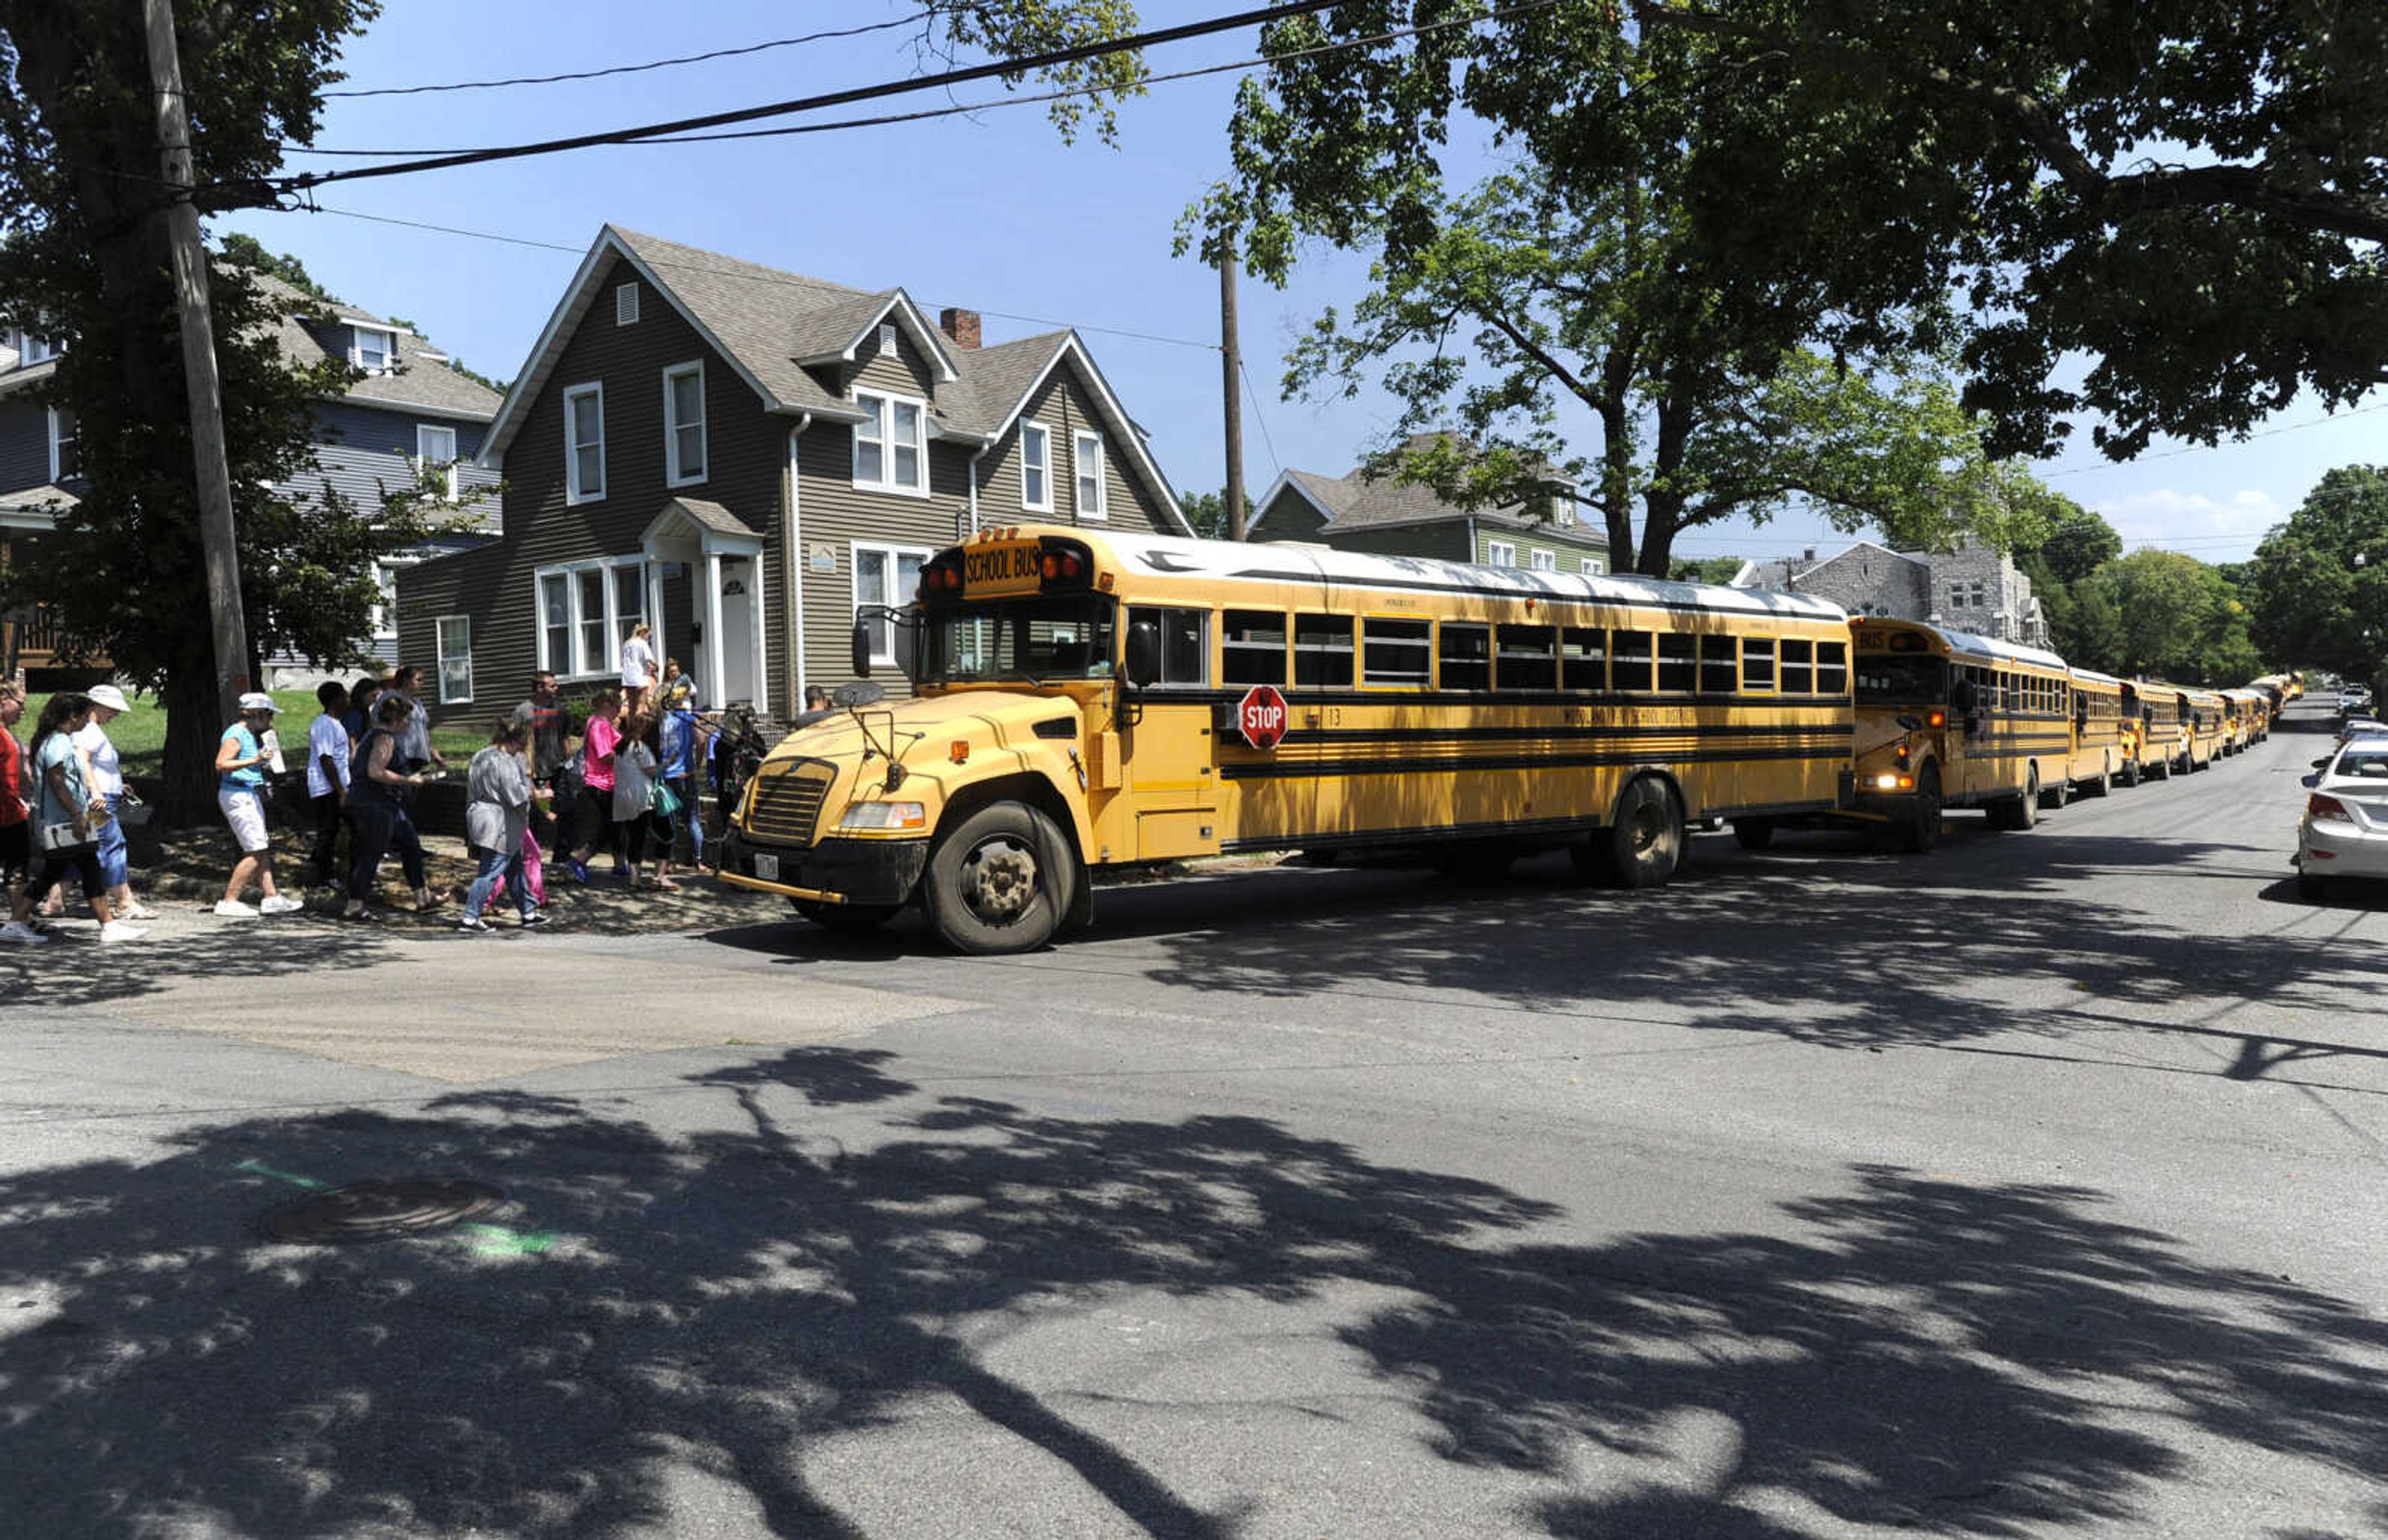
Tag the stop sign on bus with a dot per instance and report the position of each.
(1261, 716)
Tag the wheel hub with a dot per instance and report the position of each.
(999, 881)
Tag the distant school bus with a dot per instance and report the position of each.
(1090, 700)
(2164, 727)
(1946, 719)
(2209, 728)
(2103, 747)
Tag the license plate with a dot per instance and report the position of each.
(766, 868)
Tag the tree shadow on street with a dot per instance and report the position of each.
(729, 1301)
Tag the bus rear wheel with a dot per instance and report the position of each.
(1644, 846)
(845, 918)
(999, 882)
(2104, 784)
(2018, 813)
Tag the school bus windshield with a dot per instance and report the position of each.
(1030, 638)
(1896, 681)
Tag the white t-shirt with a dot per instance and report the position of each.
(325, 736)
(637, 662)
(106, 772)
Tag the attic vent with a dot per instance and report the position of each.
(626, 304)
(887, 339)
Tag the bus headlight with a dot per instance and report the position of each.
(886, 815)
(1894, 783)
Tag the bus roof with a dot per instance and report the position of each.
(2095, 677)
(1967, 644)
(1225, 561)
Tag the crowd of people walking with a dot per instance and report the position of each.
(625, 783)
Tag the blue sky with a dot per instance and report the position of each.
(990, 211)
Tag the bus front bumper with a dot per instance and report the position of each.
(835, 871)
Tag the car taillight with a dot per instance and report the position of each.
(2319, 806)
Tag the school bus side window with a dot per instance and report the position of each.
(1719, 672)
(1185, 645)
(1831, 668)
(1678, 662)
(1527, 658)
(1628, 661)
(1467, 657)
(1798, 666)
(1584, 659)
(1395, 651)
(1251, 647)
(1322, 651)
(1758, 664)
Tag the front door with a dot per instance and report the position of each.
(734, 620)
(1171, 752)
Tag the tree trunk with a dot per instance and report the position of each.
(187, 798)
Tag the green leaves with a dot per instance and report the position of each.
(2319, 583)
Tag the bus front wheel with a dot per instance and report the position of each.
(999, 882)
(1642, 848)
(1920, 830)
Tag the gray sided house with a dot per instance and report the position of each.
(1971, 589)
(1352, 512)
(408, 409)
(742, 457)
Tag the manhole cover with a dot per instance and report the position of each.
(378, 1210)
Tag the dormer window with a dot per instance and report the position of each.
(887, 339)
(66, 450)
(374, 348)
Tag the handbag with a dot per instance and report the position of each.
(666, 801)
(61, 840)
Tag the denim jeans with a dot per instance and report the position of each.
(492, 866)
(113, 868)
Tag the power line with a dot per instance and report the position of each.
(2323, 421)
(1013, 66)
(1252, 394)
(789, 282)
(640, 68)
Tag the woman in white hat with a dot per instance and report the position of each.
(243, 755)
(105, 774)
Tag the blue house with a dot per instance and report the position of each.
(408, 409)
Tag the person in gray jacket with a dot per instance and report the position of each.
(497, 815)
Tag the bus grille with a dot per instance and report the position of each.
(787, 805)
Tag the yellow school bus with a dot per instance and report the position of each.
(1946, 719)
(2209, 728)
(2164, 727)
(2250, 711)
(2103, 747)
(1090, 700)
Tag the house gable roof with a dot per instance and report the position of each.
(422, 383)
(1357, 501)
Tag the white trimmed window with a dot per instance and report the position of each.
(1500, 553)
(887, 345)
(456, 633)
(626, 304)
(885, 574)
(435, 455)
(1087, 465)
(371, 348)
(385, 614)
(1542, 561)
(1590, 566)
(684, 455)
(1037, 467)
(66, 450)
(586, 608)
(584, 443)
(891, 446)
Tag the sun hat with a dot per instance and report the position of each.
(109, 696)
(256, 700)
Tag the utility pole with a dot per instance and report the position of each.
(200, 381)
(1231, 366)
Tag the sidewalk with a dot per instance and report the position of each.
(194, 862)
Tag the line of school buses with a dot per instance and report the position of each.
(1087, 701)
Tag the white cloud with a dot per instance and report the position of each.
(2213, 528)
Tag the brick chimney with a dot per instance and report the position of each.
(959, 324)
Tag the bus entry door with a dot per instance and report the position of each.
(1170, 753)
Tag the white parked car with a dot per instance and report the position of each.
(2344, 831)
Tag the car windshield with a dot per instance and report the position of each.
(1035, 638)
(1884, 680)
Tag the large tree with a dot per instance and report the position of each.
(2171, 616)
(2192, 195)
(2318, 584)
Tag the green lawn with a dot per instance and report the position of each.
(140, 734)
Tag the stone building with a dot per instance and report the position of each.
(1971, 589)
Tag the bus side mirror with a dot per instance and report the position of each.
(908, 650)
(1143, 653)
(861, 650)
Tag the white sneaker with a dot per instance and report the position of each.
(121, 930)
(18, 932)
(233, 909)
(278, 904)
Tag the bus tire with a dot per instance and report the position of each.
(999, 881)
(2017, 814)
(1920, 830)
(1644, 845)
(846, 919)
(1754, 834)
(2104, 785)
(2054, 797)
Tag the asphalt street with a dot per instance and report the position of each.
(2029, 1188)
